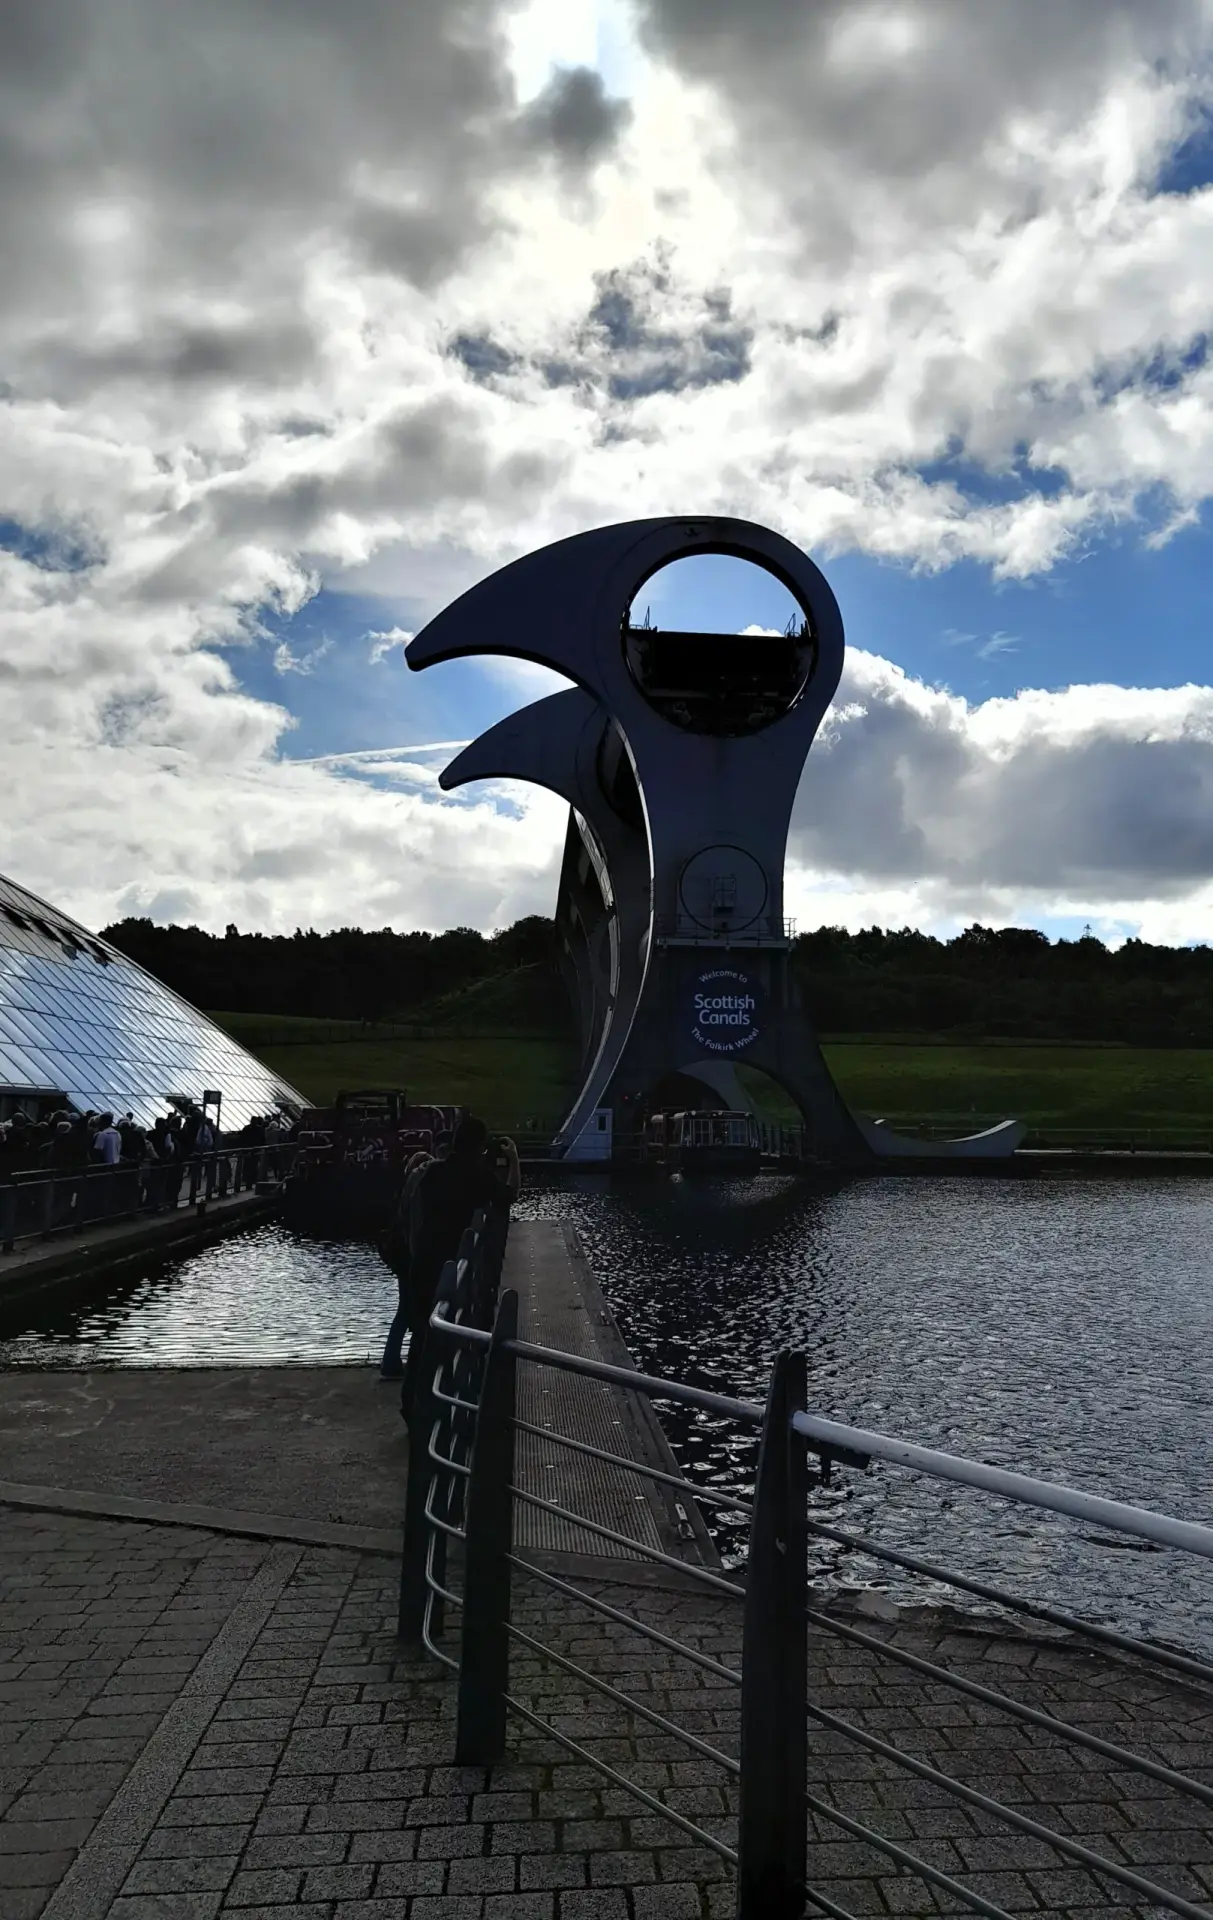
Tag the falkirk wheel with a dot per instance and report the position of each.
(679, 755)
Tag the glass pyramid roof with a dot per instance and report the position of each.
(77, 1018)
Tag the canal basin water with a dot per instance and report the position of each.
(1058, 1327)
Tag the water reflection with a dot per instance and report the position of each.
(1059, 1328)
(264, 1298)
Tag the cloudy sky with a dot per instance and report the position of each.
(310, 315)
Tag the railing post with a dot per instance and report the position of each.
(490, 1258)
(421, 1469)
(484, 1663)
(773, 1816)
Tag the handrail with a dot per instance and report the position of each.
(833, 1437)
(26, 1177)
(38, 1203)
(1188, 1535)
(682, 929)
(603, 1370)
(461, 1451)
(1035, 1609)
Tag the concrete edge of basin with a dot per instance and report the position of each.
(102, 1249)
(256, 1526)
(683, 1528)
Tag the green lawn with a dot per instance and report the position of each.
(1104, 1094)
(506, 1082)
(255, 1030)
(1126, 1092)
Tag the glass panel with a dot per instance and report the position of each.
(111, 1037)
(18, 1026)
(43, 1071)
(21, 1067)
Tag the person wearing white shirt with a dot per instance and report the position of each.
(107, 1142)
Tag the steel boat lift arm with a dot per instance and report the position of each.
(566, 607)
(558, 743)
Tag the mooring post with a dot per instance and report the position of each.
(773, 1822)
(484, 1664)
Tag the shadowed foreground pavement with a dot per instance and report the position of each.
(317, 1443)
(191, 1723)
(197, 1718)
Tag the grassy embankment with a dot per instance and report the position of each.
(1069, 1095)
(497, 1049)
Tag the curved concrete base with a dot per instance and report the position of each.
(995, 1143)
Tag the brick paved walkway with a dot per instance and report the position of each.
(191, 1722)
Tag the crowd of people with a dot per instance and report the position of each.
(65, 1141)
(467, 1172)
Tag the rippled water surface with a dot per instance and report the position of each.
(259, 1299)
(1061, 1328)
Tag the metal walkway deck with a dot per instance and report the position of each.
(560, 1305)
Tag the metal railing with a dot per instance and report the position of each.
(1043, 1137)
(780, 1142)
(683, 930)
(37, 1206)
(461, 1500)
(775, 1140)
(1125, 1139)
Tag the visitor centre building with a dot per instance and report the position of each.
(83, 1027)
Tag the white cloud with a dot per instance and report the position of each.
(984, 646)
(545, 34)
(386, 642)
(919, 806)
(286, 660)
(274, 847)
(371, 756)
(295, 295)
(916, 807)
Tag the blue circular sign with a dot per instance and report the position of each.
(725, 1010)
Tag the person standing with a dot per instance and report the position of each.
(273, 1132)
(174, 1159)
(206, 1142)
(397, 1252)
(450, 1192)
(63, 1147)
(107, 1142)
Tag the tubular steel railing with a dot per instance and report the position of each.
(684, 930)
(780, 1142)
(36, 1205)
(462, 1491)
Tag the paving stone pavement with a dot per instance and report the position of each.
(192, 1724)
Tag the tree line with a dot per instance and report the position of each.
(352, 973)
(1009, 982)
